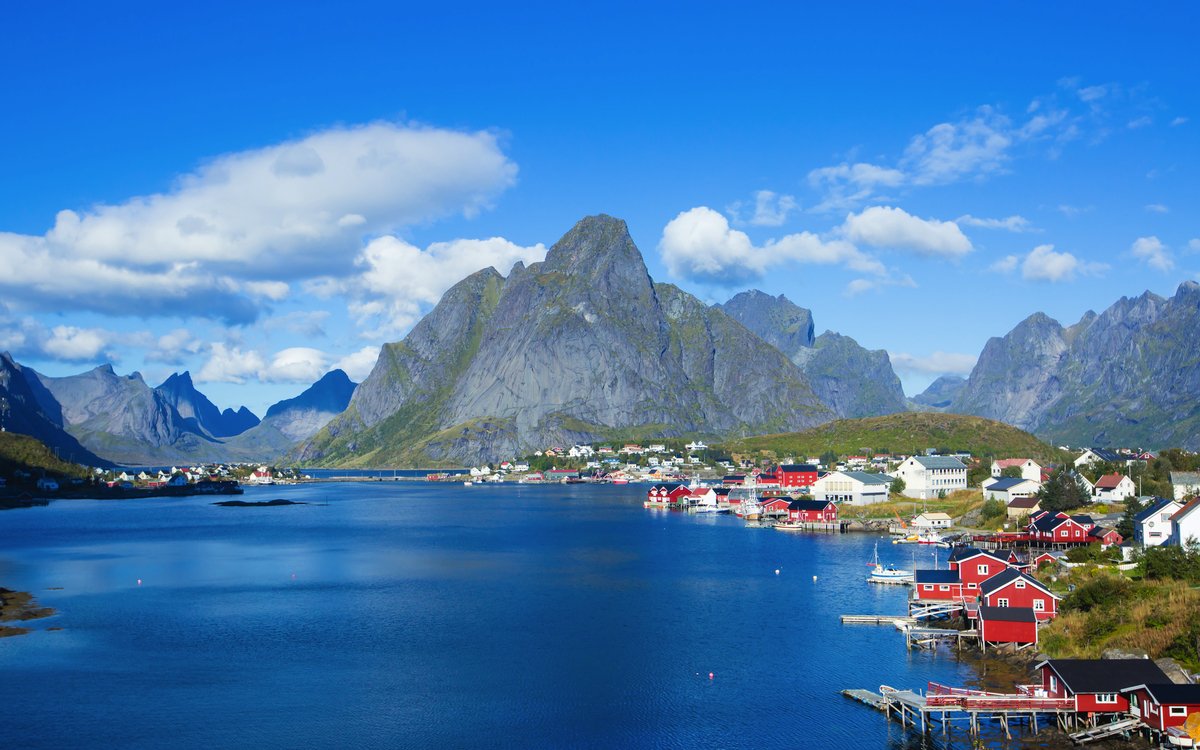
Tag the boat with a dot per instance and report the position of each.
(887, 573)
(929, 537)
(789, 526)
(466, 484)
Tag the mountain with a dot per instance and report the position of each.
(850, 380)
(909, 433)
(1129, 376)
(939, 395)
(295, 419)
(195, 406)
(26, 409)
(581, 347)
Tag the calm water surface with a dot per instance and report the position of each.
(413, 615)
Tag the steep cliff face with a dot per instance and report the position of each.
(852, 381)
(1129, 376)
(203, 414)
(27, 408)
(583, 346)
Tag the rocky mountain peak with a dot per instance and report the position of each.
(600, 251)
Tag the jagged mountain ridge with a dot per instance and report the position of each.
(295, 419)
(852, 381)
(583, 346)
(22, 411)
(1129, 376)
(939, 395)
(194, 405)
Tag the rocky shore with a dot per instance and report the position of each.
(20, 606)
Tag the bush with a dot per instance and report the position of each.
(1083, 554)
(1170, 561)
(994, 509)
(1103, 592)
(898, 486)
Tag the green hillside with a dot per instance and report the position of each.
(907, 433)
(30, 454)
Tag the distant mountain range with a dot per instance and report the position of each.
(586, 347)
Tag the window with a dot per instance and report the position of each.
(928, 587)
(972, 586)
(1001, 602)
(983, 569)
(1053, 684)
(1020, 584)
(1178, 711)
(945, 587)
(1106, 697)
(1039, 605)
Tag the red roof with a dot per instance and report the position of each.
(1108, 481)
(1004, 463)
(1185, 509)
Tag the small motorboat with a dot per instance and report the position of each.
(881, 573)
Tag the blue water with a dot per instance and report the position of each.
(432, 616)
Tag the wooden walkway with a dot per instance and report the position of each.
(876, 619)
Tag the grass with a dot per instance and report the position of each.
(955, 504)
(30, 454)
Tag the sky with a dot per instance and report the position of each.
(260, 194)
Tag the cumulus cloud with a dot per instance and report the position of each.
(770, 210)
(1178, 121)
(1140, 122)
(229, 364)
(27, 337)
(173, 348)
(396, 279)
(1153, 252)
(1043, 264)
(309, 324)
(948, 363)
(239, 228)
(858, 286)
(1007, 264)
(359, 364)
(1158, 208)
(1012, 223)
(882, 226)
(847, 185)
(950, 151)
(700, 245)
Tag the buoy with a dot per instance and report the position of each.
(814, 578)
(710, 675)
(139, 581)
(776, 572)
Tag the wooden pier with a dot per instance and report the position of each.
(877, 620)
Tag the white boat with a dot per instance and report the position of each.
(710, 507)
(466, 484)
(929, 537)
(881, 573)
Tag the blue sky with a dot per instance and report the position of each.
(259, 194)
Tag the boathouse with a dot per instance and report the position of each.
(775, 505)
(794, 476)
(1012, 588)
(668, 494)
(1096, 684)
(975, 566)
(1106, 537)
(937, 585)
(1163, 705)
(999, 625)
(812, 511)
(1057, 528)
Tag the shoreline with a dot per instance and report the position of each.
(20, 606)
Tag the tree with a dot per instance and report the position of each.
(829, 458)
(898, 486)
(994, 509)
(1012, 472)
(1062, 492)
(1126, 526)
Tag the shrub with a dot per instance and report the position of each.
(1102, 592)
(994, 509)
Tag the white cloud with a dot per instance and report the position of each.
(882, 226)
(847, 185)
(1092, 93)
(951, 151)
(1043, 264)
(858, 286)
(1012, 223)
(1193, 246)
(699, 245)
(1178, 121)
(1072, 211)
(1007, 264)
(230, 365)
(26, 337)
(939, 362)
(359, 364)
(173, 348)
(248, 222)
(1140, 122)
(295, 365)
(1154, 252)
(78, 344)
(770, 210)
(309, 324)
(1158, 208)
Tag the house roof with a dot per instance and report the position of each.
(1186, 510)
(937, 576)
(1083, 520)
(1004, 463)
(1109, 481)
(1105, 675)
(1100, 532)
(1105, 454)
(1185, 477)
(966, 553)
(664, 487)
(1153, 508)
(809, 504)
(1007, 483)
(1007, 614)
(939, 462)
(866, 478)
(1168, 693)
(1010, 575)
(935, 516)
(794, 468)
(1049, 522)
(1025, 502)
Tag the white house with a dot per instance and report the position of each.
(1097, 455)
(47, 484)
(1152, 527)
(580, 451)
(177, 480)
(657, 448)
(930, 520)
(1008, 489)
(1113, 488)
(1029, 468)
(1185, 483)
(1185, 524)
(696, 446)
(852, 488)
(926, 477)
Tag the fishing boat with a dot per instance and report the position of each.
(710, 507)
(881, 573)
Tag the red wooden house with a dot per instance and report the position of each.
(1163, 705)
(734, 480)
(792, 476)
(1096, 684)
(812, 511)
(775, 505)
(1012, 588)
(1050, 557)
(1106, 537)
(1058, 528)
(937, 585)
(1008, 625)
(667, 494)
(975, 566)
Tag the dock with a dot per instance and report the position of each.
(877, 620)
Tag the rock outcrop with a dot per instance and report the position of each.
(27, 408)
(852, 381)
(579, 348)
(1129, 376)
(194, 406)
(939, 395)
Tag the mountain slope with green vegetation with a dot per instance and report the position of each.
(24, 453)
(910, 433)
